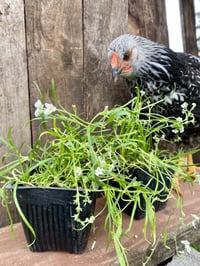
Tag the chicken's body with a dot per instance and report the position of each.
(161, 74)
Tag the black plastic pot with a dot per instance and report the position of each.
(151, 183)
(50, 211)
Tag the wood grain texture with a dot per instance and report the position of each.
(55, 49)
(103, 21)
(97, 253)
(13, 72)
(189, 38)
(4, 220)
(14, 99)
(188, 26)
(148, 19)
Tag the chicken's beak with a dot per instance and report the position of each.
(115, 73)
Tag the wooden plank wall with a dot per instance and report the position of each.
(188, 26)
(148, 19)
(67, 41)
(103, 21)
(14, 94)
(63, 40)
(55, 50)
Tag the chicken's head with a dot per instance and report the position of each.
(133, 56)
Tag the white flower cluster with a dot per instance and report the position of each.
(44, 109)
(189, 118)
(179, 126)
(157, 138)
(99, 171)
(78, 171)
(78, 208)
(184, 107)
(195, 221)
(187, 247)
(89, 220)
(104, 167)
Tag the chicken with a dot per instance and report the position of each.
(161, 74)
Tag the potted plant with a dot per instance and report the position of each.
(136, 135)
(142, 177)
(54, 184)
(88, 157)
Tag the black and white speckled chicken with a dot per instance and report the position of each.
(162, 74)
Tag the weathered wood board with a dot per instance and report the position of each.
(188, 26)
(14, 95)
(55, 50)
(97, 253)
(148, 19)
(103, 21)
(67, 41)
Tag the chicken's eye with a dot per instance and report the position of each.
(126, 56)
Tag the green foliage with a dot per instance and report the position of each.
(196, 247)
(71, 152)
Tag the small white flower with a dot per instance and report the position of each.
(49, 109)
(101, 160)
(163, 136)
(179, 119)
(90, 220)
(76, 217)
(89, 201)
(186, 244)
(78, 209)
(142, 93)
(195, 220)
(175, 131)
(193, 106)
(78, 171)
(184, 105)
(156, 138)
(38, 104)
(39, 108)
(99, 171)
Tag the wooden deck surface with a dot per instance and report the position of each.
(15, 252)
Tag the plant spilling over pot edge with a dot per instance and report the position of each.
(71, 152)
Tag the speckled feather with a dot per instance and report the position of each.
(162, 74)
